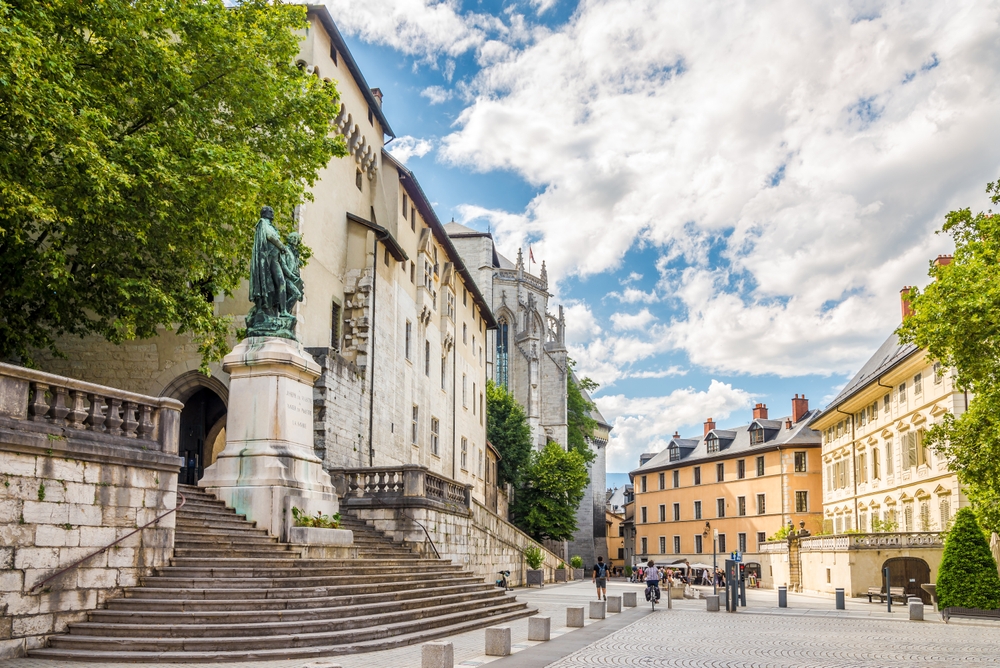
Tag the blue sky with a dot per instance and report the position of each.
(729, 195)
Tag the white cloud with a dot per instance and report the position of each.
(659, 373)
(543, 6)
(404, 148)
(437, 94)
(645, 424)
(626, 321)
(789, 161)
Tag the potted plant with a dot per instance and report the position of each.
(561, 572)
(577, 563)
(318, 529)
(535, 575)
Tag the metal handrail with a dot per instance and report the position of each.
(107, 547)
(415, 521)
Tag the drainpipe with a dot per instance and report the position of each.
(371, 363)
(854, 463)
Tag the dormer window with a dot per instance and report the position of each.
(675, 453)
(712, 442)
(756, 435)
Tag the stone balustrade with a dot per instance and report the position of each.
(398, 486)
(35, 401)
(873, 541)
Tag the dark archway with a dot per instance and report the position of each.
(203, 416)
(909, 573)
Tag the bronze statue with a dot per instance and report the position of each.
(275, 282)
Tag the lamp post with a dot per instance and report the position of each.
(715, 565)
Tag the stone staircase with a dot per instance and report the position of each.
(234, 593)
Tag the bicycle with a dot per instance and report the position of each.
(653, 594)
(503, 581)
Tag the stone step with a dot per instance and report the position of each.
(190, 524)
(224, 514)
(192, 612)
(362, 643)
(287, 642)
(291, 581)
(292, 562)
(262, 551)
(199, 530)
(362, 617)
(189, 541)
(307, 569)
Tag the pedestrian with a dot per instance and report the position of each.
(601, 578)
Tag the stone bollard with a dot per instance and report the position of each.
(539, 628)
(598, 609)
(712, 602)
(628, 599)
(574, 617)
(839, 593)
(670, 600)
(498, 641)
(916, 611)
(614, 603)
(437, 655)
(782, 597)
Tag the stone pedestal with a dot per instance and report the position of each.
(615, 603)
(598, 609)
(916, 609)
(712, 603)
(268, 465)
(498, 641)
(539, 628)
(628, 599)
(574, 616)
(437, 655)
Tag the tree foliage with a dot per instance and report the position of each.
(580, 425)
(508, 430)
(138, 140)
(552, 489)
(968, 574)
(957, 319)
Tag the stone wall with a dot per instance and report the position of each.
(340, 411)
(475, 538)
(65, 492)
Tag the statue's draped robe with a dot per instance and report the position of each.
(263, 291)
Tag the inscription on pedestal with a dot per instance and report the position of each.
(300, 409)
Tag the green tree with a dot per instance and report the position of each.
(138, 140)
(507, 429)
(957, 319)
(968, 574)
(552, 488)
(580, 425)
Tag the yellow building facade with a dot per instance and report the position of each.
(743, 484)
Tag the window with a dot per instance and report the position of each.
(663, 483)
(409, 338)
(465, 296)
(741, 542)
(697, 543)
(945, 510)
(677, 544)
(335, 326)
(371, 117)
(722, 543)
(642, 481)
(760, 504)
(761, 538)
(885, 403)
(435, 429)
(712, 443)
(333, 55)
(918, 385)
(890, 456)
(406, 207)
(677, 479)
(863, 467)
(465, 402)
(473, 398)
(413, 272)
(444, 373)
(465, 334)
(642, 513)
(901, 393)
(876, 464)
(414, 424)
(427, 357)
(480, 463)
(697, 475)
(720, 472)
(675, 453)
(862, 522)
(937, 373)
(912, 448)
(677, 512)
(643, 543)
(465, 453)
(802, 502)
(480, 408)
(720, 507)
(357, 179)
(697, 510)
(663, 544)
(925, 516)
(741, 469)
(502, 348)
(760, 466)
(741, 505)
(621, 552)
(756, 435)
(663, 512)
(621, 529)
(800, 462)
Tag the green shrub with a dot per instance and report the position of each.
(561, 566)
(968, 574)
(782, 533)
(576, 561)
(317, 521)
(628, 571)
(533, 555)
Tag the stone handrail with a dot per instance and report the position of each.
(64, 406)
(773, 547)
(399, 482)
(872, 541)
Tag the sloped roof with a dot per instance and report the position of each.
(694, 450)
(889, 354)
(505, 263)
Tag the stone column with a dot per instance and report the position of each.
(268, 464)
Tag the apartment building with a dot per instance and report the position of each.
(742, 483)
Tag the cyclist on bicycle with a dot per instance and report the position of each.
(652, 580)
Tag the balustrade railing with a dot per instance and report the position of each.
(872, 541)
(57, 404)
(407, 481)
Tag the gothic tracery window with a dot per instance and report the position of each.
(502, 352)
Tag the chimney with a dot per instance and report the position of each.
(800, 406)
(709, 425)
(788, 424)
(377, 92)
(677, 435)
(760, 412)
(943, 260)
(904, 302)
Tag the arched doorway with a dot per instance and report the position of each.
(909, 573)
(202, 425)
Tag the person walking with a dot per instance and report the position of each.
(601, 578)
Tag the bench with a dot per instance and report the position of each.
(969, 613)
(895, 592)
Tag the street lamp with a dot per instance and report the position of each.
(715, 564)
